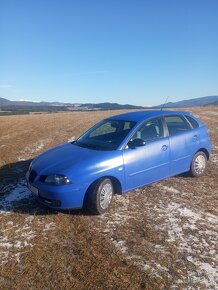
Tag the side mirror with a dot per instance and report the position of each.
(136, 143)
(72, 139)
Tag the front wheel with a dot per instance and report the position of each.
(198, 165)
(100, 196)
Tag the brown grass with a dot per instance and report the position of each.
(134, 246)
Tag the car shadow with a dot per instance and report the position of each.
(16, 197)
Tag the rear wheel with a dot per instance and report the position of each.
(100, 196)
(199, 163)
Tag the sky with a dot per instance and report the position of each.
(127, 51)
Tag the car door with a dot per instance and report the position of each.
(183, 141)
(150, 162)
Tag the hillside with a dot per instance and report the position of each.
(8, 105)
(196, 102)
(24, 107)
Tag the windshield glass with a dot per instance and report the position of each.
(106, 135)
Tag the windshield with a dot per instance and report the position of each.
(106, 135)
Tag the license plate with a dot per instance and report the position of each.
(33, 189)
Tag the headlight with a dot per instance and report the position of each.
(57, 179)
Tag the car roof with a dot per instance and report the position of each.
(144, 115)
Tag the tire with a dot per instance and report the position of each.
(99, 196)
(198, 165)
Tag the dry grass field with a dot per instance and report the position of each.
(162, 236)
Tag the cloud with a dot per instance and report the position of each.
(24, 100)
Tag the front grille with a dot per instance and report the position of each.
(32, 175)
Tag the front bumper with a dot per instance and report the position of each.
(59, 197)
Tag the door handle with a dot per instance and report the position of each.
(164, 147)
(195, 137)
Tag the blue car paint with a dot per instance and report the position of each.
(136, 167)
(184, 146)
(88, 165)
(146, 164)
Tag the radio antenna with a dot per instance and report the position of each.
(164, 103)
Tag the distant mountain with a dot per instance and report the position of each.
(4, 102)
(197, 102)
(110, 106)
(30, 106)
(58, 106)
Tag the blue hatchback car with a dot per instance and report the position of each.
(117, 155)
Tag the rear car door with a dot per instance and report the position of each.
(183, 141)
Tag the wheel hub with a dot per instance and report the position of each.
(200, 164)
(106, 195)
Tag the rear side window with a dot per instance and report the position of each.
(192, 121)
(176, 124)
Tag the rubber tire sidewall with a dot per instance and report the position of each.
(93, 201)
(192, 170)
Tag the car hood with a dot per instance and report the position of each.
(69, 158)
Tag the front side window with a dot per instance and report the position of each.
(149, 131)
(176, 124)
(106, 135)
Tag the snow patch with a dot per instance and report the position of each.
(121, 246)
(170, 189)
(214, 158)
(17, 237)
(121, 217)
(29, 151)
(192, 233)
(17, 194)
(212, 218)
(73, 138)
(199, 248)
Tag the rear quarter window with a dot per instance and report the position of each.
(192, 121)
